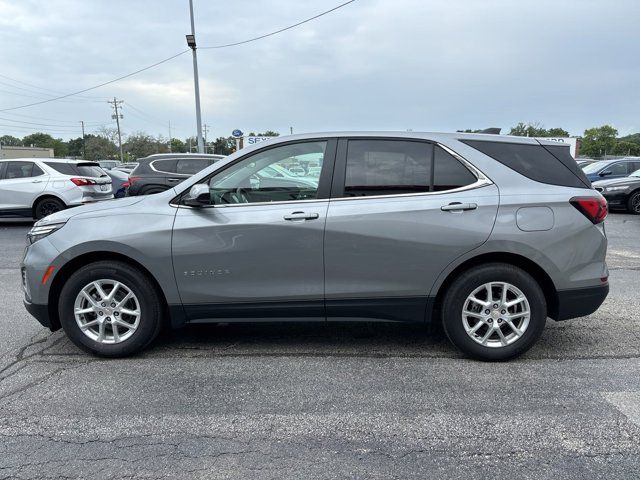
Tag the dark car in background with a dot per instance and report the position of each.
(622, 193)
(119, 182)
(160, 172)
(608, 169)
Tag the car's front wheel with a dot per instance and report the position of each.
(633, 204)
(110, 309)
(494, 312)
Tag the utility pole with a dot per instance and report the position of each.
(169, 136)
(191, 42)
(84, 148)
(115, 104)
(206, 130)
(291, 130)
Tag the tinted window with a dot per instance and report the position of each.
(168, 166)
(37, 171)
(563, 153)
(19, 170)
(449, 173)
(189, 166)
(251, 180)
(387, 167)
(617, 169)
(81, 169)
(532, 161)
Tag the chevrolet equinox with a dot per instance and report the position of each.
(486, 235)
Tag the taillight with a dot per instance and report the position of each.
(594, 208)
(125, 185)
(133, 180)
(82, 182)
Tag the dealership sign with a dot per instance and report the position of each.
(571, 142)
(248, 141)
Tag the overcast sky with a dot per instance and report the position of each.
(434, 65)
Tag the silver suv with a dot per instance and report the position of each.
(37, 187)
(487, 235)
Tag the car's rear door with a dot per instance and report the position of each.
(257, 250)
(401, 211)
(20, 185)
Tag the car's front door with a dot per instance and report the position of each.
(400, 212)
(20, 185)
(257, 250)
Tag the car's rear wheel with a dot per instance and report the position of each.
(633, 204)
(110, 309)
(47, 206)
(494, 312)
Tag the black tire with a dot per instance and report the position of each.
(633, 203)
(137, 282)
(47, 206)
(462, 287)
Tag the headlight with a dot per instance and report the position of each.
(617, 188)
(38, 232)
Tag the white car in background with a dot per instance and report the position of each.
(37, 187)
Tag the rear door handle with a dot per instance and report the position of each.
(174, 179)
(458, 207)
(295, 216)
(37, 181)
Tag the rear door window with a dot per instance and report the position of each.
(531, 160)
(166, 166)
(190, 166)
(387, 167)
(449, 173)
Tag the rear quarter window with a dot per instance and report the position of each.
(533, 161)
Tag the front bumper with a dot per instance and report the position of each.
(40, 313)
(578, 302)
(616, 199)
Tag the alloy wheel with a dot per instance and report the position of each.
(496, 314)
(107, 311)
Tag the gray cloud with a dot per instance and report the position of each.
(436, 65)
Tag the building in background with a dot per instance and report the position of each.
(7, 151)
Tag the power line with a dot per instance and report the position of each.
(46, 124)
(97, 86)
(281, 30)
(72, 122)
(34, 89)
(177, 55)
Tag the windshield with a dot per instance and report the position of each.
(595, 167)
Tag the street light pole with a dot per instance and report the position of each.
(191, 42)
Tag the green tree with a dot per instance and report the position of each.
(224, 145)
(537, 130)
(141, 144)
(178, 146)
(98, 147)
(10, 141)
(626, 148)
(599, 141)
(44, 140)
(74, 147)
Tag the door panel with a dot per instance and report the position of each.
(250, 253)
(18, 192)
(397, 246)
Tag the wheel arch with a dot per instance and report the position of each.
(532, 268)
(41, 197)
(76, 263)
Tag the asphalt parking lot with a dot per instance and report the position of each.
(314, 401)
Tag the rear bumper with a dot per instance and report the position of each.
(579, 302)
(40, 313)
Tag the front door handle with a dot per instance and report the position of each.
(458, 207)
(174, 179)
(296, 216)
(37, 181)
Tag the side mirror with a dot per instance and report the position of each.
(605, 173)
(198, 196)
